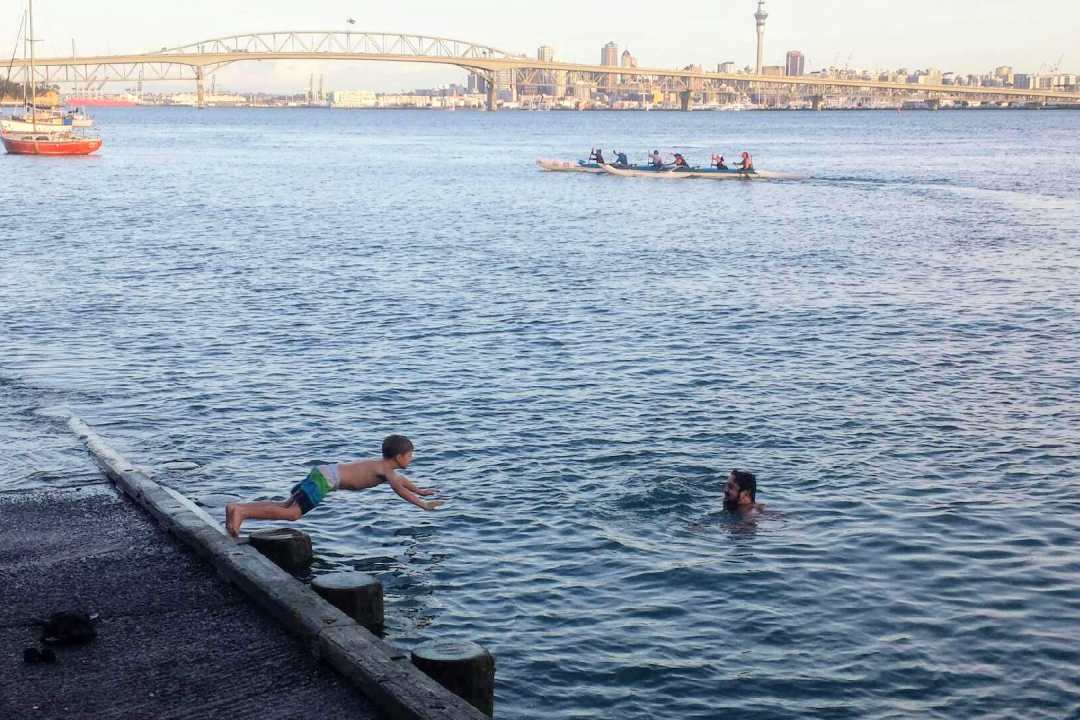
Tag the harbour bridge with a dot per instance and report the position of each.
(198, 61)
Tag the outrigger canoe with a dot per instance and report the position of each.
(586, 166)
(667, 172)
(569, 166)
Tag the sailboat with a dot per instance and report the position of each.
(43, 138)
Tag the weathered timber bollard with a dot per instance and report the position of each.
(462, 667)
(287, 548)
(357, 594)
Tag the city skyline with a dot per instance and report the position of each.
(925, 35)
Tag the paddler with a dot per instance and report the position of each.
(597, 156)
(621, 160)
(657, 161)
(747, 164)
(680, 162)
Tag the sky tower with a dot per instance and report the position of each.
(761, 16)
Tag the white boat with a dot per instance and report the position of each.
(569, 166)
(49, 120)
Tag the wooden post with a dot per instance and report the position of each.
(358, 595)
(289, 549)
(462, 667)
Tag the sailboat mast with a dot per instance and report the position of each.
(33, 74)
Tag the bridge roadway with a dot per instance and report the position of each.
(197, 61)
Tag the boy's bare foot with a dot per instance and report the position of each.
(232, 520)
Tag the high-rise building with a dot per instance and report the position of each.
(476, 84)
(728, 68)
(760, 16)
(609, 57)
(546, 54)
(628, 60)
(796, 63)
(505, 86)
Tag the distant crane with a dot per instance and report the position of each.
(1052, 69)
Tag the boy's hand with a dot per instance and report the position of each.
(434, 504)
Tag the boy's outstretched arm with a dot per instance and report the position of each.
(400, 486)
(413, 488)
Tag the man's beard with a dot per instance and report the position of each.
(731, 504)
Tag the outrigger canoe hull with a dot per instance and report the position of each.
(569, 166)
(692, 173)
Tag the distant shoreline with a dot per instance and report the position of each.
(595, 110)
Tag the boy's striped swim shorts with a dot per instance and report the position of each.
(309, 493)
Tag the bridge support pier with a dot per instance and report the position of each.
(818, 102)
(686, 100)
(200, 88)
(492, 96)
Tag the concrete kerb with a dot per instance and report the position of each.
(377, 668)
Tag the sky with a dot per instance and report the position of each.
(966, 36)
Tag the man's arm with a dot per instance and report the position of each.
(400, 486)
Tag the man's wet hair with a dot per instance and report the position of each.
(747, 482)
(395, 445)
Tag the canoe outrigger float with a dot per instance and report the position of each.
(664, 172)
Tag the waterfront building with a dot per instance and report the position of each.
(545, 54)
(727, 68)
(772, 70)
(353, 99)
(796, 64)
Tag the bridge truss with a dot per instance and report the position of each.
(196, 62)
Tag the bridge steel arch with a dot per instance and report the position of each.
(199, 60)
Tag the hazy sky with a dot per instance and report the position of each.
(961, 35)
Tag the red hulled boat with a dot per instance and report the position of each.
(43, 143)
(42, 138)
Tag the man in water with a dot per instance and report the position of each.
(740, 493)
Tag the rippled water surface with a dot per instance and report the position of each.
(891, 344)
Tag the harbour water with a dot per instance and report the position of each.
(891, 344)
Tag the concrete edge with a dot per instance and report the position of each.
(380, 671)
